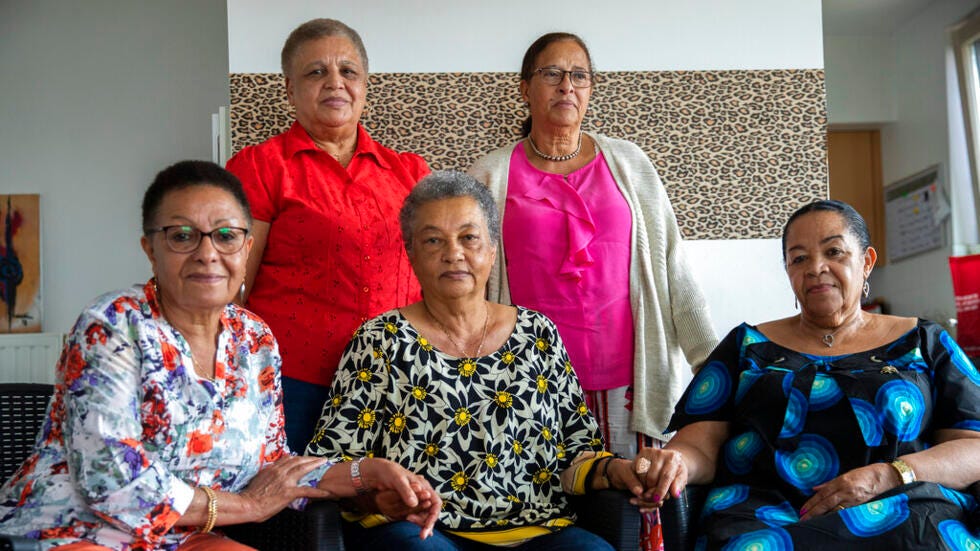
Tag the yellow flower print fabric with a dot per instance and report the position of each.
(492, 434)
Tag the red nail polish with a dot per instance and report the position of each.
(802, 512)
(656, 497)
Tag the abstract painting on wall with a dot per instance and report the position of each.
(20, 264)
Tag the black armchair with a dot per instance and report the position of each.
(22, 408)
(679, 518)
(317, 528)
(607, 513)
(22, 412)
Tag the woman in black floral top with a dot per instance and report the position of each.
(478, 397)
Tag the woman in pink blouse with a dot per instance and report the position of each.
(590, 240)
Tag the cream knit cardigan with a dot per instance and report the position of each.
(670, 316)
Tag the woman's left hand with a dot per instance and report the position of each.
(277, 485)
(852, 488)
(391, 504)
(421, 503)
(622, 476)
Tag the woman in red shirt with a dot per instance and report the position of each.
(328, 253)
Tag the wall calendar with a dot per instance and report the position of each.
(915, 210)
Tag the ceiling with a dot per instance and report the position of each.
(843, 17)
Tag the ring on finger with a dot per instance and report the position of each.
(840, 507)
(642, 465)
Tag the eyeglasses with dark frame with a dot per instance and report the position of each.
(186, 239)
(552, 76)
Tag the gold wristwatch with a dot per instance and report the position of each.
(904, 471)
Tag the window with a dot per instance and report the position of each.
(966, 48)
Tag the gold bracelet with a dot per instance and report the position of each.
(212, 509)
(904, 471)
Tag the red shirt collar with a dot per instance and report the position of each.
(298, 140)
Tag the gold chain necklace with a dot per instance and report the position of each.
(197, 367)
(445, 331)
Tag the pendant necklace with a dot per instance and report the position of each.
(445, 331)
(828, 339)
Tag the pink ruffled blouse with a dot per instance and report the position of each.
(568, 255)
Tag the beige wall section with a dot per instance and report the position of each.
(854, 164)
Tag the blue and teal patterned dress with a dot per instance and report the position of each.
(799, 420)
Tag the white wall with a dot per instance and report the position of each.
(910, 70)
(448, 35)
(743, 280)
(95, 98)
(859, 72)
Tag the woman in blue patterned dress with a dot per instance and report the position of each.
(835, 428)
(478, 397)
(166, 419)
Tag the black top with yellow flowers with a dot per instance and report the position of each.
(502, 437)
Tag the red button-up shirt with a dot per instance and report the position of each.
(334, 256)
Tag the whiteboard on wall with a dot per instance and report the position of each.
(915, 209)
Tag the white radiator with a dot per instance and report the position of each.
(29, 357)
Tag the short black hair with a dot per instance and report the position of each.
(852, 220)
(186, 174)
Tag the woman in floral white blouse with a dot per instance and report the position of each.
(167, 415)
(478, 397)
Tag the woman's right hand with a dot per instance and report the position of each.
(663, 473)
(402, 494)
(277, 485)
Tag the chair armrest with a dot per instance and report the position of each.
(17, 543)
(317, 528)
(679, 518)
(609, 514)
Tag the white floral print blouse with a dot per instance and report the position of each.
(131, 429)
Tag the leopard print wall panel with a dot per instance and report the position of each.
(737, 150)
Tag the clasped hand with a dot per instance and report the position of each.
(664, 474)
(400, 494)
(652, 476)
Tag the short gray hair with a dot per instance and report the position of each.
(447, 184)
(315, 29)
